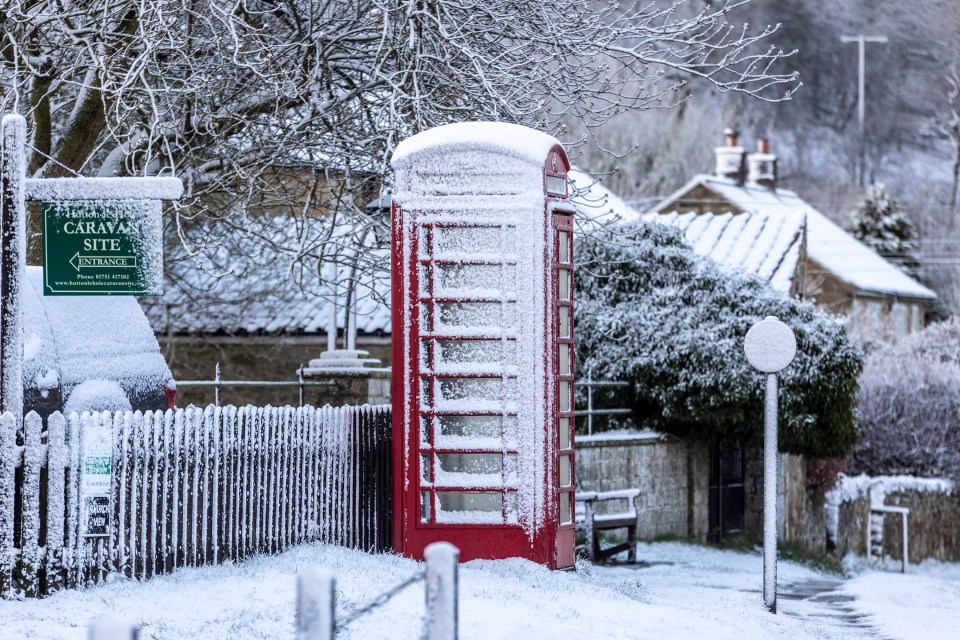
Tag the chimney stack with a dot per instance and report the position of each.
(730, 159)
(762, 166)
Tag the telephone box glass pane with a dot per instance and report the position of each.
(465, 391)
(564, 395)
(564, 284)
(475, 317)
(512, 508)
(564, 246)
(479, 507)
(564, 359)
(424, 506)
(467, 427)
(469, 469)
(425, 355)
(425, 468)
(425, 431)
(424, 280)
(426, 398)
(564, 471)
(474, 280)
(564, 433)
(457, 243)
(564, 322)
(474, 356)
(564, 508)
(425, 318)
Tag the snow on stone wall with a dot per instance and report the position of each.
(851, 488)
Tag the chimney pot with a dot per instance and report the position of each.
(732, 136)
(762, 166)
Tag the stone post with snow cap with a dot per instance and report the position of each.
(770, 346)
(353, 376)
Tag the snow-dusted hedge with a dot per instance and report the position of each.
(652, 312)
(910, 406)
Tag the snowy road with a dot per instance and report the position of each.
(677, 591)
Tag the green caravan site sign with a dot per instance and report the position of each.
(105, 247)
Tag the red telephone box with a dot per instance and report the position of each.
(483, 344)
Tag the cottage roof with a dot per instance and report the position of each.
(828, 245)
(759, 243)
(249, 281)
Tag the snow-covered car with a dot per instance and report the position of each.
(89, 353)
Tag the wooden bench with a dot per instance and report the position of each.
(592, 523)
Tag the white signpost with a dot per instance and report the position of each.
(770, 346)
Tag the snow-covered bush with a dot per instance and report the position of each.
(910, 406)
(652, 312)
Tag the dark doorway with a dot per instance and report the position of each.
(727, 495)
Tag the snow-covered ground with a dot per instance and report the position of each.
(676, 591)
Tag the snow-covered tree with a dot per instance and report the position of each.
(910, 406)
(879, 223)
(652, 312)
(296, 105)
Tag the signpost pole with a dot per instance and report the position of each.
(13, 252)
(770, 494)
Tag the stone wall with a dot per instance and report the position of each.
(933, 521)
(672, 477)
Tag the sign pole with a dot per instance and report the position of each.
(13, 253)
(770, 346)
(770, 495)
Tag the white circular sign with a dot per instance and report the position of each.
(770, 345)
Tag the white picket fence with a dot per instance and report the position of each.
(190, 487)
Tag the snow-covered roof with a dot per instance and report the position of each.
(72, 339)
(828, 245)
(759, 243)
(249, 282)
(501, 137)
(596, 202)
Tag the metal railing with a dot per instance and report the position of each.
(590, 384)
(218, 383)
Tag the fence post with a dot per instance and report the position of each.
(8, 466)
(589, 401)
(315, 605)
(111, 627)
(300, 379)
(441, 591)
(216, 385)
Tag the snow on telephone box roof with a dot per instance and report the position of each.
(827, 244)
(499, 137)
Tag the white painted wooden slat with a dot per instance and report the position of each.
(56, 500)
(71, 560)
(213, 486)
(176, 501)
(30, 560)
(8, 443)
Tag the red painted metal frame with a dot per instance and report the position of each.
(552, 543)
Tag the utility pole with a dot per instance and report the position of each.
(862, 41)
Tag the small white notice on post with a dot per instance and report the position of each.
(96, 451)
